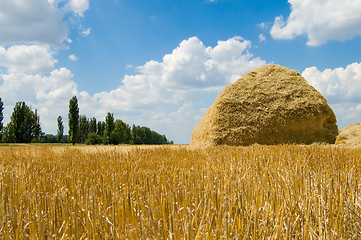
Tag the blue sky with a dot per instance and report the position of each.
(162, 63)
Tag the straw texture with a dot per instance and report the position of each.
(269, 105)
(350, 136)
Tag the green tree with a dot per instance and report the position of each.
(94, 139)
(37, 133)
(73, 119)
(147, 135)
(93, 125)
(60, 132)
(7, 134)
(1, 117)
(24, 126)
(118, 134)
(136, 135)
(83, 128)
(100, 128)
(109, 126)
(65, 139)
(143, 135)
(49, 138)
(125, 130)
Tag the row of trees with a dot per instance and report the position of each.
(90, 131)
(24, 127)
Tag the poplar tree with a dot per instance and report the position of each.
(83, 128)
(73, 120)
(1, 115)
(100, 128)
(109, 126)
(93, 125)
(36, 129)
(60, 132)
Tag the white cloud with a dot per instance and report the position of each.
(129, 66)
(339, 84)
(262, 25)
(262, 38)
(342, 87)
(85, 32)
(320, 20)
(36, 21)
(73, 57)
(37, 88)
(27, 58)
(79, 6)
(190, 68)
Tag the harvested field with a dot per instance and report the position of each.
(180, 192)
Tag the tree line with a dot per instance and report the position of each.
(24, 127)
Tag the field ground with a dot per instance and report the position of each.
(180, 192)
(92, 148)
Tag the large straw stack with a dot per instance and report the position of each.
(269, 105)
(350, 136)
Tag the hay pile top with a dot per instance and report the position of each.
(269, 105)
(350, 136)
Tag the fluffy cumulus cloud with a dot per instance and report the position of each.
(37, 21)
(190, 68)
(320, 20)
(339, 84)
(79, 6)
(342, 87)
(27, 58)
(73, 57)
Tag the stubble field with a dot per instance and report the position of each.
(180, 192)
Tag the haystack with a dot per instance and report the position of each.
(269, 105)
(350, 136)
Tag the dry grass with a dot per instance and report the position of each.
(256, 192)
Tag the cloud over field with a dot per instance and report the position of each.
(341, 87)
(320, 20)
(190, 68)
